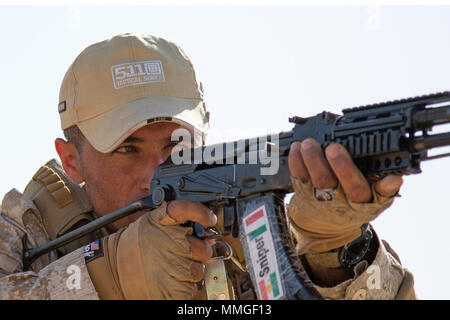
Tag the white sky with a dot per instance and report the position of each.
(259, 66)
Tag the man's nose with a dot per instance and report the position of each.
(147, 174)
(148, 169)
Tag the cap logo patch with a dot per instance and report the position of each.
(137, 73)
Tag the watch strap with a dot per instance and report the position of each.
(329, 259)
(346, 256)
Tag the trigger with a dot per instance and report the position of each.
(197, 229)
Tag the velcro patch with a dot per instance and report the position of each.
(93, 251)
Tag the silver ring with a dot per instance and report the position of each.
(324, 194)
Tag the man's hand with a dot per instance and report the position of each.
(155, 257)
(184, 210)
(307, 162)
(326, 225)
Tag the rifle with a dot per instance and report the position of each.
(385, 138)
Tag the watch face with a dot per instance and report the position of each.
(354, 252)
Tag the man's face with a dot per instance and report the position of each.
(115, 179)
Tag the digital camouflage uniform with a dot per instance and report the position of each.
(51, 205)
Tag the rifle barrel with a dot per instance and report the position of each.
(432, 141)
(432, 116)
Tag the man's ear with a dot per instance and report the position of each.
(70, 160)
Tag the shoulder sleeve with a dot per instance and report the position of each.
(49, 278)
(63, 279)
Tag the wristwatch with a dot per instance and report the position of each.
(349, 254)
(355, 251)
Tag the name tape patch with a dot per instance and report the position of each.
(137, 73)
(262, 254)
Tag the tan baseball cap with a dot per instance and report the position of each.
(119, 85)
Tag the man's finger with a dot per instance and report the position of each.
(201, 249)
(197, 271)
(297, 167)
(185, 210)
(389, 186)
(322, 176)
(353, 182)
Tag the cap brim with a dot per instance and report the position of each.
(110, 129)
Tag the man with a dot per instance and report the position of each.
(119, 103)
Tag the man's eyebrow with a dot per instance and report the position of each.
(170, 141)
(131, 140)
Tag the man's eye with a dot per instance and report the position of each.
(171, 145)
(126, 149)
